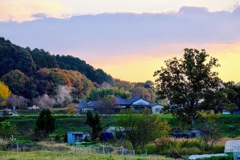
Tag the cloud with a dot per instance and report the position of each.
(130, 31)
(22, 10)
(39, 16)
(109, 40)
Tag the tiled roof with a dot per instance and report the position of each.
(133, 99)
(95, 104)
(119, 100)
(82, 104)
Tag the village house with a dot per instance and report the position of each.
(116, 104)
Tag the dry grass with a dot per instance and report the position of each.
(224, 139)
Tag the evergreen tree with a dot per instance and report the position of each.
(95, 123)
(45, 124)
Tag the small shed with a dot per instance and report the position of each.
(233, 146)
(73, 137)
(156, 108)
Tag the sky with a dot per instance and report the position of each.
(129, 39)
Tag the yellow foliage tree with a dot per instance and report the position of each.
(4, 93)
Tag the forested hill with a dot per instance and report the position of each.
(29, 61)
(31, 73)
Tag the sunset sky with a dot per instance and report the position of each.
(129, 39)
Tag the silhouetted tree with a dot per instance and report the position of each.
(190, 85)
(45, 124)
(95, 123)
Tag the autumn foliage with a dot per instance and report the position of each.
(4, 91)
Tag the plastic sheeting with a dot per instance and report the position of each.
(232, 146)
(194, 157)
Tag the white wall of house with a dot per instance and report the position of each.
(156, 109)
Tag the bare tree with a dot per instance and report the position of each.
(17, 101)
(210, 132)
(44, 101)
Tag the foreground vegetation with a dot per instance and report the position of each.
(64, 122)
(228, 125)
(69, 155)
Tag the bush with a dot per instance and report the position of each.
(165, 144)
(3, 144)
(6, 129)
(168, 146)
(218, 149)
(151, 148)
(189, 151)
(192, 143)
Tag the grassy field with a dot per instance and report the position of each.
(69, 155)
(26, 122)
(25, 125)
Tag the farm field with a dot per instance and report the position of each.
(68, 155)
(64, 122)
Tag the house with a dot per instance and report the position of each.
(156, 108)
(139, 103)
(82, 107)
(117, 103)
(74, 137)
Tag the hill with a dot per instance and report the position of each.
(29, 61)
(32, 73)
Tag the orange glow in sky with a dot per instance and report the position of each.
(141, 68)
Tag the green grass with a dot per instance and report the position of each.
(70, 155)
(64, 123)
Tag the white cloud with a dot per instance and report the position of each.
(22, 10)
(109, 40)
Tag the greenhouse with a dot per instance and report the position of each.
(233, 146)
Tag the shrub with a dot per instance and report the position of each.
(189, 151)
(218, 149)
(192, 143)
(6, 129)
(151, 148)
(164, 144)
(3, 144)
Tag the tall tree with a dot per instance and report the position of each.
(141, 91)
(140, 129)
(95, 123)
(190, 85)
(45, 124)
(4, 93)
(15, 57)
(16, 80)
(233, 94)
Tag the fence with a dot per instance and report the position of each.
(102, 149)
(77, 148)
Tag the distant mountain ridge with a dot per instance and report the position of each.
(29, 61)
